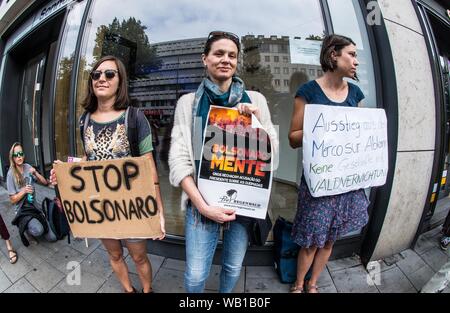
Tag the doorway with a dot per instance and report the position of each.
(30, 104)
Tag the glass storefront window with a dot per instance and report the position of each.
(161, 45)
(348, 20)
(63, 78)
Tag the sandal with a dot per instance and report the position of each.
(15, 255)
(297, 289)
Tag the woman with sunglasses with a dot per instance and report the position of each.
(19, 181)
(105, 137)
(203, 222)
(320, 221)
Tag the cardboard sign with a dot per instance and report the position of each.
(344, 149)
(236, 164)
(109, 199)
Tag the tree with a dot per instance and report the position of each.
(128, 41)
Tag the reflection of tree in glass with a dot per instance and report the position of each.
(316, 37)
(128, 41)
(255, 76)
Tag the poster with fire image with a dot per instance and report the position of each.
(236, 163)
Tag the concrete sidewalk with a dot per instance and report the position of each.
(43, 267)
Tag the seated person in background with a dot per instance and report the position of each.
(20, 179)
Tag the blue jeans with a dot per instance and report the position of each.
(202, 236)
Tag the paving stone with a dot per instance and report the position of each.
(380, 266)
(393, 281)
(328, 289)
(56, 290)
(178, 265)
(89, 283)
(337, 265)
(324, 279)
(112, 284)
(392, 260)
(155, 260)
(169, 280)
(35, 254)
(54, 246)
(424, 244)
(420, 277)
(79, 244)
(435, 258)
(65, 255)
(411, 262)
(21, 286)
(44, 277)
(213, 281)
(97, 263)
(261, 272)
(5, 283)
(353, 280)
(265, 285)
(15, 271)
(435, 232)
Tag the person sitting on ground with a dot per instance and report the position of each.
(20, 184)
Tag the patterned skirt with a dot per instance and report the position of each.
(323, 219)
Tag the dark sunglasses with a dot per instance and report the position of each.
(222, 34)
(109, 74)
(18, 154)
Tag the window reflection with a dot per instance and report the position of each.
(63, 78)
(162, 49)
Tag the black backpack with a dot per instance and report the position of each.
(56, 218)
(130, 125)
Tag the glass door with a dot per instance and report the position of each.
(31, 111)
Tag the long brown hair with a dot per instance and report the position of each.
(90, 103)
(18, 177)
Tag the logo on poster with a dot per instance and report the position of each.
(231, 196)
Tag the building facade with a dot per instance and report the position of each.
(47, 49)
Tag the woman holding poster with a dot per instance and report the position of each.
(320, 221)
(203, 221)
(106, 128)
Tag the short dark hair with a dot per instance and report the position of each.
(90, 103)
(216, 36)
(332, 43)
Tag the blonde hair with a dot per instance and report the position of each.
(18, 177)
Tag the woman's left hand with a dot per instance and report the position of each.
(163, 227)
(249, 109)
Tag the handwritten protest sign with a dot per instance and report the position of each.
(344, 149)
(109, 199)
(236, 166)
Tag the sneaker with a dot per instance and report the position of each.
(445, 241)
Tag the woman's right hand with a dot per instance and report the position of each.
(218, 214)
(28, 189)
(53, 174)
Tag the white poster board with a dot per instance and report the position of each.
(344, 149)
(305, 51)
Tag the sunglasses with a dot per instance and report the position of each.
(109, 74)
(18, 154)
(222, 34)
